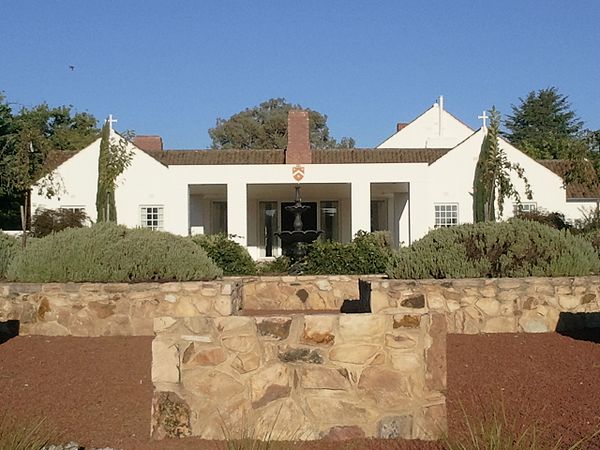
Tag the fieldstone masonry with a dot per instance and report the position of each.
(504, 305)
(266, 354)
(471, 306)
(112, 309)
(301, 376)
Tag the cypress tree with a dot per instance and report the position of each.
(492, 183)
(105, 195)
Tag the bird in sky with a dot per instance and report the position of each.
(72, 68)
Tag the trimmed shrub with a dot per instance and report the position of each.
(9, 246)
(552, 219)
(47, 221)
(516, 248)
(230, 256)
(368, 253)
(592, 237)
(112, 253)
(278, 266)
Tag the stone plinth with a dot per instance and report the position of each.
(332, 376)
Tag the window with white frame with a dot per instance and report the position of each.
(526, 207)
(152, 217)
(446, 214)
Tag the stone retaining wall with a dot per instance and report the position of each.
(506, 305)
(112, 309)
(301, 376)
(502, 305)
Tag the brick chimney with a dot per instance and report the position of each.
(400, 125)
(298, 147)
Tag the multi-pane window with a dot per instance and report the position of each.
(73, 208)
(526, 207)
(152, 217)
(446, 214)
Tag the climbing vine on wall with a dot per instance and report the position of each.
(113, 159)
(492, 184)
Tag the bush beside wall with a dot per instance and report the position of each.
(227, 254)
(9, 246)
(112, 253)
(368, 253)
(516, 248)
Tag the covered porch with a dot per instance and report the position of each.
(253, 213)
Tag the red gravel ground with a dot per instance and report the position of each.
(97, 391)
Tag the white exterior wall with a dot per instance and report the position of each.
(144, 182)
(451, 181)
(410, 215)
(425, 132)
(77, 178)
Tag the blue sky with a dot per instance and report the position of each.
(172, 67)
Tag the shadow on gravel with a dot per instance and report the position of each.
(581, 326)
(8, 330)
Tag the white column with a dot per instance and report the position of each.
(176, 213)
(360, 207)
(237, 211)
(421, 211)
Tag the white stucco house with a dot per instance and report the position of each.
(418, 179)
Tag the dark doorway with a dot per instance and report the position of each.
(309, 220)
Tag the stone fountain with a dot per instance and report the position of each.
(298, 237)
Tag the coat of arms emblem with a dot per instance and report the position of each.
(298, 172)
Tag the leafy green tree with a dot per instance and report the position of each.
(544, 126)
(265, 127)
(492, 184)
(63, 129)
(24, 150)
(26, 139)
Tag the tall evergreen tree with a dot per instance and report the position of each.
(106, 209)
(113, 159)
(544, 126)
(492, 184)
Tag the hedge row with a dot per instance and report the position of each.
(111, 253)
(108, 252)
(517, 248)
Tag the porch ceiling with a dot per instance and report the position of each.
(286, 191)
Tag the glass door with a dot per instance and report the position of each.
(330, 219)
(268, 217)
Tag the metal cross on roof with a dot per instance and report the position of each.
(110, 121)
(484, 117)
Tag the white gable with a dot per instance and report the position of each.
(453, 174)
(435, 128)
(78, 181)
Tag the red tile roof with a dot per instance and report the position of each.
(330, 156)
(377, 155)
(149, 143)
(575, 190)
